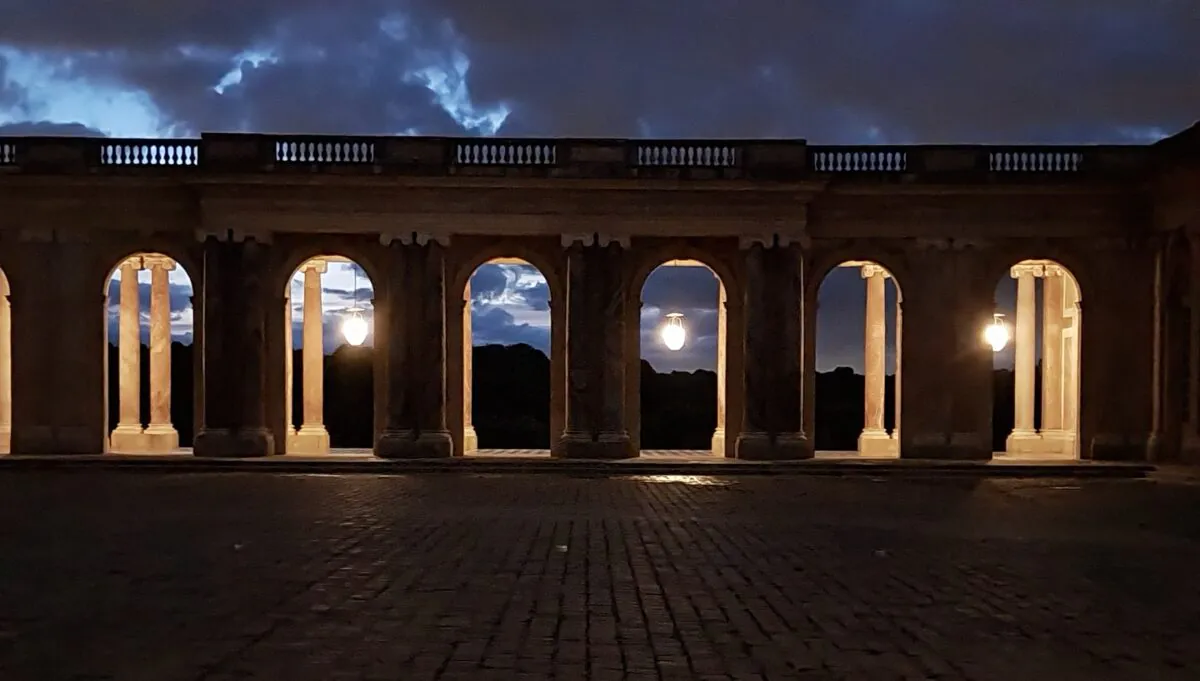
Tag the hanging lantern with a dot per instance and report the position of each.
(672, 332)
(997, 334)
(354, 327)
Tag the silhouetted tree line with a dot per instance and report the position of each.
(511, 400)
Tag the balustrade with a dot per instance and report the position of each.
(688, 155)
(506, 153)
(1034, 161)
(324, 150)
(150, 153)
(858, 159)
(8, 154)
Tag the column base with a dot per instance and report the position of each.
(408, 444)
(1056, 443)
(1119, 447)
(470, 440)
(242, 443)
(956, 447)
(718, 442)
(780, 447)
(160, 438)
(309, 440)
(876, 443)
(5, 439)
(603, 446)
(126, 439)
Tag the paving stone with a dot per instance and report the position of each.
(107, 575)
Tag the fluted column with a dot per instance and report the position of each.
(127, 436)
(5, 367)
(470, 437)
(313, 438)
(1025, 348)
(874, 440)
(772, 422)
(416, 346)
(596, 299)
(161, 435)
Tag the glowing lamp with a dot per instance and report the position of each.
(672, 333)
(997, 334)
(354, 327)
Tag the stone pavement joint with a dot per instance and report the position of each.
(239, 576)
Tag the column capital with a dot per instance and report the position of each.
(1052, 270)
(870, 269)
(316, 264)
(133, 262)
(594, 239)
(410, 238)
(1034, 269)
(158, 261)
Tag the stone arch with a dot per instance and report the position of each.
(874, 439)
(148, 426)
(730, 359)
(460, 345)
(312, 435)
(1050, 338)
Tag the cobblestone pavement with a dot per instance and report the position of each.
(158, 578)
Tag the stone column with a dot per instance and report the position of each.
(1054, 371)
(596, 351)
(874, 440)
(289, 373)
(6, 367)
(416, 364)
(160, 434)
(312, 438)
(772, 421)
(1023, 437)
(718, 439)
(470, 437)
(127, 436)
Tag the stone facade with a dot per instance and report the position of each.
(1119, 228)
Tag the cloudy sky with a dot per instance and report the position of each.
(831, 71)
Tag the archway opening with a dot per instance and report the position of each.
(149, 358)
(5, 365)
(329, 369)
(506, 358)
(1036, 373)
(857, 359)
(681, 351)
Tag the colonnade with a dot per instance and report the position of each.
(133, 435)
(1056, 433)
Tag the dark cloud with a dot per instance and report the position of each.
(853, 71)
(495, 325)
(180, 294)
(48, 129)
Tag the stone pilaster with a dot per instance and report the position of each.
(772, 421)
(313, 438)
(874, 440)
(896, 379)
(1024, 438)
(718, 439)
(596, 351)
(234, 351)
(416, 363)
(289, 374)
(127, 436)
(160, 434)
(5, 367)
(470, 437)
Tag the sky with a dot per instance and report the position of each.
(833, 72)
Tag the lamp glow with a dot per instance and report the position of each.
(354, 328)
(997, 334)
(672, 333)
